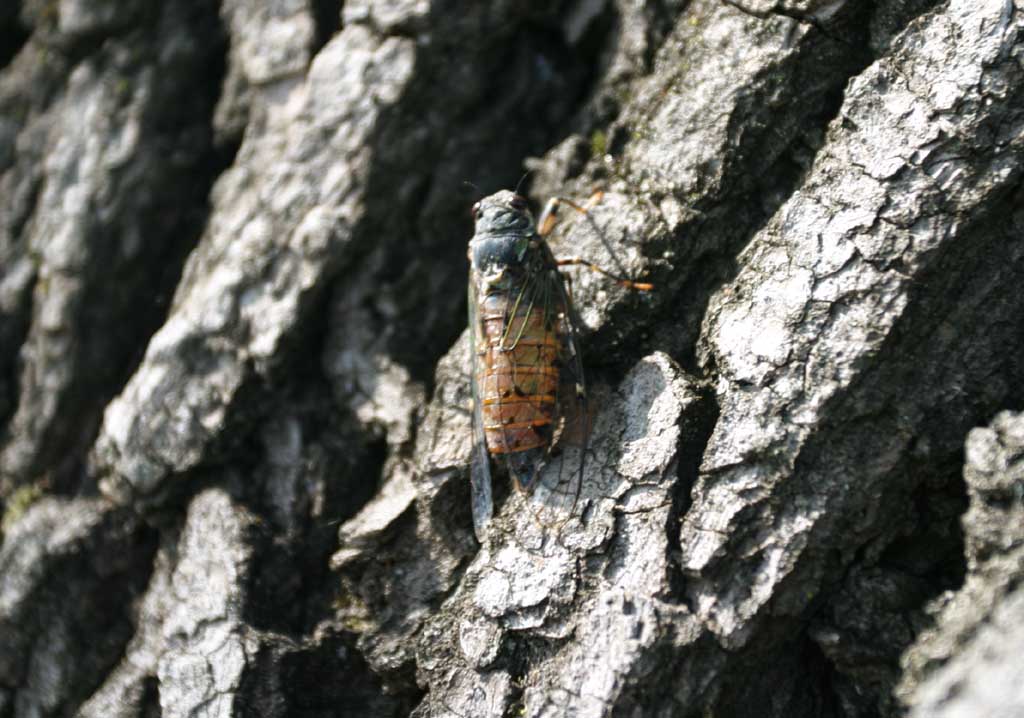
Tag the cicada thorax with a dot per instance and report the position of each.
(519, 375)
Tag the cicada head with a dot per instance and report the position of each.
(504, 230)
(502, 212)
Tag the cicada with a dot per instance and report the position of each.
(529, 394)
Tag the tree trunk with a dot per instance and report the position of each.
(235, 423)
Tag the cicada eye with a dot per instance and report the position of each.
(518, 203)
(476, 210)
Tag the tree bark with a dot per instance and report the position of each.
(234, 385)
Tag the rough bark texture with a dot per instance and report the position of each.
(234, 431)
(968, 663)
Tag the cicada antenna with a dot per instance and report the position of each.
(521, 180)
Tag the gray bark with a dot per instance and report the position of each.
(967, 663)
(234, 385)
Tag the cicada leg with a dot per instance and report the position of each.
(549, 217)
(639, 286)
(548, 220)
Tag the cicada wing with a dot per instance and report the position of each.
(480, 488)
(480, 467)
(558, 481)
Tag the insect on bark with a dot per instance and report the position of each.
(529, 393)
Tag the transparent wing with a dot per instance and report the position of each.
(554, 474)
(480, 466)
(558, 486)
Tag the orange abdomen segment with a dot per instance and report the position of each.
(518, 376)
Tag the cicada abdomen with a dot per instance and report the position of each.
(528, 386)
(518, 373)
